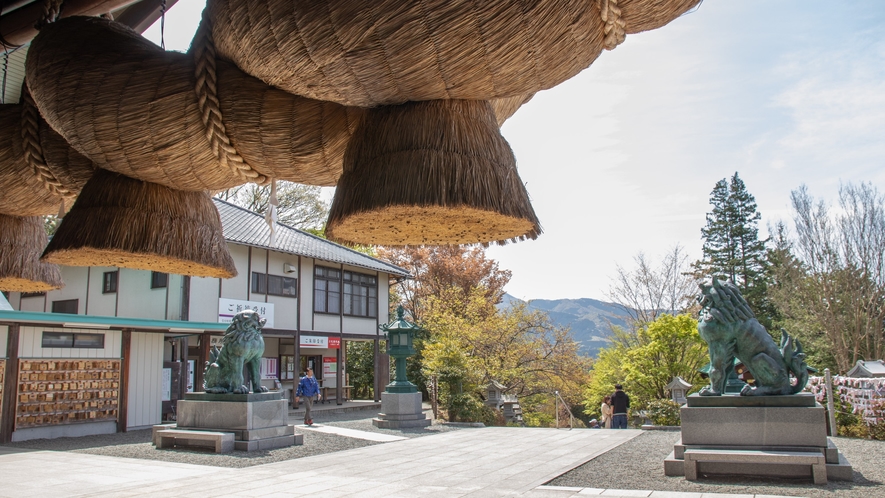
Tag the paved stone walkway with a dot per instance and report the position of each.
(493, 461)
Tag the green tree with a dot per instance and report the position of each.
(669, 346)
(732, 248)
(472, 343)
(836, 297)
(361, 368)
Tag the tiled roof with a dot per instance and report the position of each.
(242, 226)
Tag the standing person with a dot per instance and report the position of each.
(620, 403)
(307, 388)
(606, 410)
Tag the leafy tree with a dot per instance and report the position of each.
(731, 244)
(667, 347)
(438, 268)
(361, 368)
(647, 291)
(300, 206)
(471, 343)
(838, 292)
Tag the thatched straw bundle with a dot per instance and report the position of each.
(393, 52)
(435, 172)
(645, 15)
(54, 172)
(118, 221)
(22, 239)
(133, 108)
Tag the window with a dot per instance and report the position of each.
(360, 294)
(159, 280)
(109, 282)
(326, 290)
(70, 306)
(72, 340)
(274, 285)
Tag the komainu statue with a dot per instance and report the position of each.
(242, 345)
(732, 331)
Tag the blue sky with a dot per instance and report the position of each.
(622, 158)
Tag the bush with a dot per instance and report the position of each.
(663, 412)
(465, 407)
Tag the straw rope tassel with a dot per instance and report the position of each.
(271, 216)
(34, 150)
(614, 24)
(206, 89)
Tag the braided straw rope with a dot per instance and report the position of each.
(614, 24)
(51, 10)
(210, 109)
(34, 150)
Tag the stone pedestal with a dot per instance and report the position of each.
(731, 423)
(401, 410)
(259, 421)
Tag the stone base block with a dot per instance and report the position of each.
(269, 443)
(400, 411)
(226, 415)
(754, 426)
(400, 424)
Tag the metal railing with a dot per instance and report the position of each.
(556, 401)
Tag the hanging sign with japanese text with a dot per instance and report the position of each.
(227, 308)
(315, 341)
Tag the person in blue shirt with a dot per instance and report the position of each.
(307, 389)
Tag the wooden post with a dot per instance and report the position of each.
(123, 403)
(183, 356)
(339, 377)
(205, 341)
(377, 387)
(7, 412)
(831, 408)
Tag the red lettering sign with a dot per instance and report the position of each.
(334, 343)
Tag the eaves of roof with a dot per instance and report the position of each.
(245, 227)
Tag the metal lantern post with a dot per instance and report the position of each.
(400, 335)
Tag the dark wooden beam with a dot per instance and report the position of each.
(123, 400)
(10, 382)
(17, 27)
(200, 367)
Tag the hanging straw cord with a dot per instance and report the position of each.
(206, 89)
(615, 27)
(34, 149)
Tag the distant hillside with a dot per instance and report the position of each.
(588, 319)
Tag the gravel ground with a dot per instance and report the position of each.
(639, 464)
(137, 444)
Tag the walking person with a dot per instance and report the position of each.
(307, 389)
(620, 403)
(606, 409)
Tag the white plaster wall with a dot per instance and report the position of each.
(359, 325)
(204, 299)
(34, 303)
(237, 287)
(326, 323)
(136, 299)
(100, 304)
(145, 375)
(75, 278)
(174, 295)
(4, 332)
(31, 338)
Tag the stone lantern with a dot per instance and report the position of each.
(678, 387)
(400, 337)
(401, 401)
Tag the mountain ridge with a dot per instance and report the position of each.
(590, 320)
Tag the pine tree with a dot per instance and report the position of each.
(732, 248)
